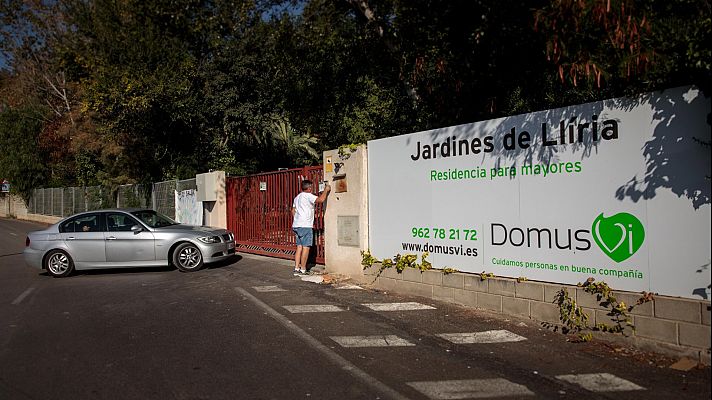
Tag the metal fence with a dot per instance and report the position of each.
(164, 198)
(186, 184)
(259, 212)
(63, 202)
(134, 196)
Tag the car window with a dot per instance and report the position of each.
(119, 222)
(83, 223)
(154, 219)
(67, 226)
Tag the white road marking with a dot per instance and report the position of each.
(371, 341)
(499, 336)
(341, 362)
(264, 289)
(602, 382)
(350, 287)
(312, 278)
(22, 296)
(470, 389)
(315, 308)
(398, 306)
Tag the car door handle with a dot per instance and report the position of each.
(70, 238)
(111, 238)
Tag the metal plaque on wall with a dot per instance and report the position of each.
(347, 227)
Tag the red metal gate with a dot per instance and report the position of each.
(259, 212)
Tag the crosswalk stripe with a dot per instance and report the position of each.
(497, 336)
(470, 389)
(371, 341)
(315, 308)
(264, 289)
(398, 306)
(350, 287)
(602, 382)
(312, 278)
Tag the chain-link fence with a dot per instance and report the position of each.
(98, 197)
(164, 197)
(134, 196)
(186, 184)
(63, 202)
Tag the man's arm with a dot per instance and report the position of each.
(324, 194)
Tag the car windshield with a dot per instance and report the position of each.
(153, 219)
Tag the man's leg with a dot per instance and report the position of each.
(305, 256)
(298, 257)
(308, 241)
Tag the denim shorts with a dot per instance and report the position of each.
(305, 236)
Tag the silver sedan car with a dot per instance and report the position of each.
(125, 238)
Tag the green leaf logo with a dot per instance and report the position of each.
(619, 236)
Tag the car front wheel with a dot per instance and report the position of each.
(187, 257)
(59, 264)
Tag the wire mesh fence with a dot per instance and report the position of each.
(164, 198)
(186, 184)
(97, 197)
(133, 196)
(63, 202)
(68, 201)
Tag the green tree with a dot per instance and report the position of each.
(138, 91)
(629, 45)
(20, 161)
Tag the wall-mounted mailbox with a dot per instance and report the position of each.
(339, 183)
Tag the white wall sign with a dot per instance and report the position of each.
(188, 209)
(615, 190)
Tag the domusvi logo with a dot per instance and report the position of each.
(619, 236)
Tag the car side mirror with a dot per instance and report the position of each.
(136, 229)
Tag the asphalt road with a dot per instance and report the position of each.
(233, 331)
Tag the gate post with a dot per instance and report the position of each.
(211, 192)
(346, 211)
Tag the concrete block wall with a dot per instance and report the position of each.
(13, 206)
(674, 326)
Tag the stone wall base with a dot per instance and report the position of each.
(667, 325)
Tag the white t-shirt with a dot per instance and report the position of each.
(304, 206)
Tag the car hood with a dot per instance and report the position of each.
(191, 228)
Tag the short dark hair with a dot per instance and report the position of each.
(306, 184)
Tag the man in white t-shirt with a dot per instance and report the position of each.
(303, 222)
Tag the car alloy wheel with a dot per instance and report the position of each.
(187, 258)
(59, 264)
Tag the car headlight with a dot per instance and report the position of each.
(210, 239)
